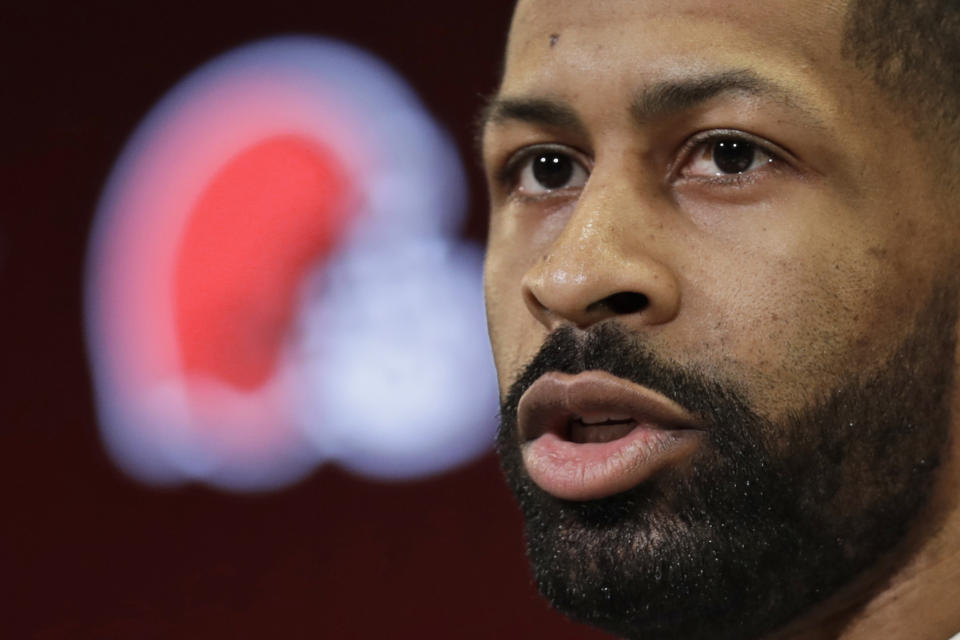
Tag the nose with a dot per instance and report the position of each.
(608, 261)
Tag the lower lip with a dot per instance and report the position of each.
(590, 471)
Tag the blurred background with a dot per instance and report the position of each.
(356, 542)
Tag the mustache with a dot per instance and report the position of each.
(610, 348)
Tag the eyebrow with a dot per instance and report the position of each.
(542, 111)
(673, 96)
(656, 101)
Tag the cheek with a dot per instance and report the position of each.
(792, 327)
(794, 296)
(516, 243)
(514, 334)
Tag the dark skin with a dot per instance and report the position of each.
(790, 265)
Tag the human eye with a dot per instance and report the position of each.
(726, 156)
(543, 170)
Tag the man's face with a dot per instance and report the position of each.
(722, 303)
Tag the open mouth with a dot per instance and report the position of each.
(590, 435)
(593, 407)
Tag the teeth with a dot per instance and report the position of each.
(605, 418)
(599, 432)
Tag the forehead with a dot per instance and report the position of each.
(621, 12)
(636, 40)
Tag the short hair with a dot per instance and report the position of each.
(911, 48)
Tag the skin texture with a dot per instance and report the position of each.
(791, 280)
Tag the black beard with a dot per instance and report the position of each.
(767, 520)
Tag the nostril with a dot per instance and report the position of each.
(622, 303)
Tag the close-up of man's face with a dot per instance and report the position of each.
(722, 292)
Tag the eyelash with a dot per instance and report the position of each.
(687, 152)
(509, 173)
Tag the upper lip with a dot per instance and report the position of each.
(556, 399)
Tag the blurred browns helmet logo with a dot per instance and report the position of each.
(274, 279)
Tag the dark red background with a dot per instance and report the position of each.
(87, 553)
